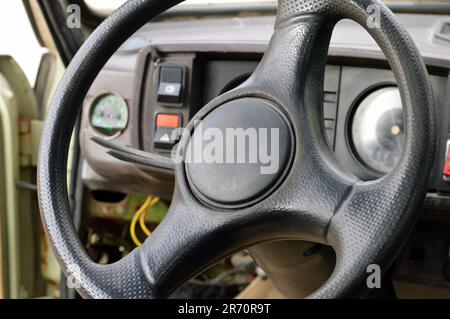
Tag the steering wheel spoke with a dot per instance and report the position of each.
(369, 223)
(187, 241)
(193, 237)
(297, 55)
(291, 74)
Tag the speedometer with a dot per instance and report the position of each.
(109, 114)
(378, 130)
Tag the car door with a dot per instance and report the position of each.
(29, 74)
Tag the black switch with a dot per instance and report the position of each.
(170, 85)
(164, 139)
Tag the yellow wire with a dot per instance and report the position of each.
(144, 228)
(135, 219)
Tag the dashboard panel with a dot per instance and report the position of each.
(168, 70)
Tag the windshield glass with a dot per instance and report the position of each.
(103, 7)
(106, 7)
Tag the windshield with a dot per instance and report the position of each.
(106, 7)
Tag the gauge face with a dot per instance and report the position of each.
(378, 130)
(109, 114)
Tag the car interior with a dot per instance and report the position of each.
(94, 202)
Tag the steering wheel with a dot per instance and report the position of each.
(219, 209)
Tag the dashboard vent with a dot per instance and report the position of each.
(443, 31)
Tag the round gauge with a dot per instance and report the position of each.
(109, 114)
(378, 130)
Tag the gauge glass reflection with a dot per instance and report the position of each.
(378, 130)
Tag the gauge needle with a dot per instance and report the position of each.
(131, 155)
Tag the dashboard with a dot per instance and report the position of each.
(170, 69)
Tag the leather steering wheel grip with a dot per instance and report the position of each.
(369, 225)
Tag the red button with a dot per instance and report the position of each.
(168, 120)
(447, 168)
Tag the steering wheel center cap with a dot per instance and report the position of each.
(239, 153)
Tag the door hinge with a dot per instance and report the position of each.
(30, 132)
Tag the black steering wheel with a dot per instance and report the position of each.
(218, 209)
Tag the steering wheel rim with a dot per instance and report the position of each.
(366, 223)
